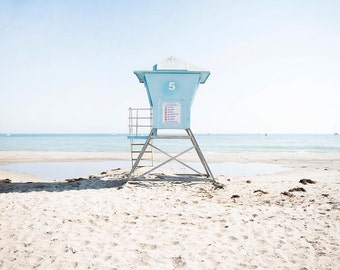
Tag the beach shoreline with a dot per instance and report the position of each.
(291, 160)
(284, 220)
(8, 157)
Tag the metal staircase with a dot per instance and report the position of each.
(140, 125)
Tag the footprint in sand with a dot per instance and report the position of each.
(152, 247)
(178, 262)
(263, 251)
(233, 238)
(108, 257)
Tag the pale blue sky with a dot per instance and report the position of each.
(67, 66)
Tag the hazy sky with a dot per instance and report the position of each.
(67, 66)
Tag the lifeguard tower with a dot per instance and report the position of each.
(171, 87)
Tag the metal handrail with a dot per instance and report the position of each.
(140, 124)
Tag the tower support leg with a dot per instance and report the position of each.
(200, 154)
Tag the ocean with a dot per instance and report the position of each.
(207, 142)
(120, 143)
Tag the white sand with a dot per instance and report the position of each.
(106, 223)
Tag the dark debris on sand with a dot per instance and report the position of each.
(260, 192)
(298, 189)
(286, 193)
(5, 181)
(307, 181)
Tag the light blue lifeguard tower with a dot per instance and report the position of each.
(171, 87)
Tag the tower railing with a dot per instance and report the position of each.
(140, 125)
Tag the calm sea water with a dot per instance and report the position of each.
(120, 143)
(208, 143)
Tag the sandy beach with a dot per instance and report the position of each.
(285, 220)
